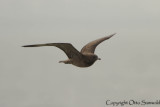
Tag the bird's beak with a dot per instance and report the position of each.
(99, 58)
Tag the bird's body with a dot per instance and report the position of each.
(85, 58)
(85, 61)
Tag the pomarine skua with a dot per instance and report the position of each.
(85, 58)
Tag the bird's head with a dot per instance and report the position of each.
(99, 59)
(96, 57)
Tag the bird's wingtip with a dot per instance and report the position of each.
(113, 34)
(27, 46)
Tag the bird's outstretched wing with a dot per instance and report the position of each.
(90, 47)
(68, 48)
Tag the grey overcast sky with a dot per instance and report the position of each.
(32, 77)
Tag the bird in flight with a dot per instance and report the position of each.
(84, 58)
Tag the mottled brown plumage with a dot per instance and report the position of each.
(85, 58)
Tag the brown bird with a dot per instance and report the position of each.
(85, 58)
